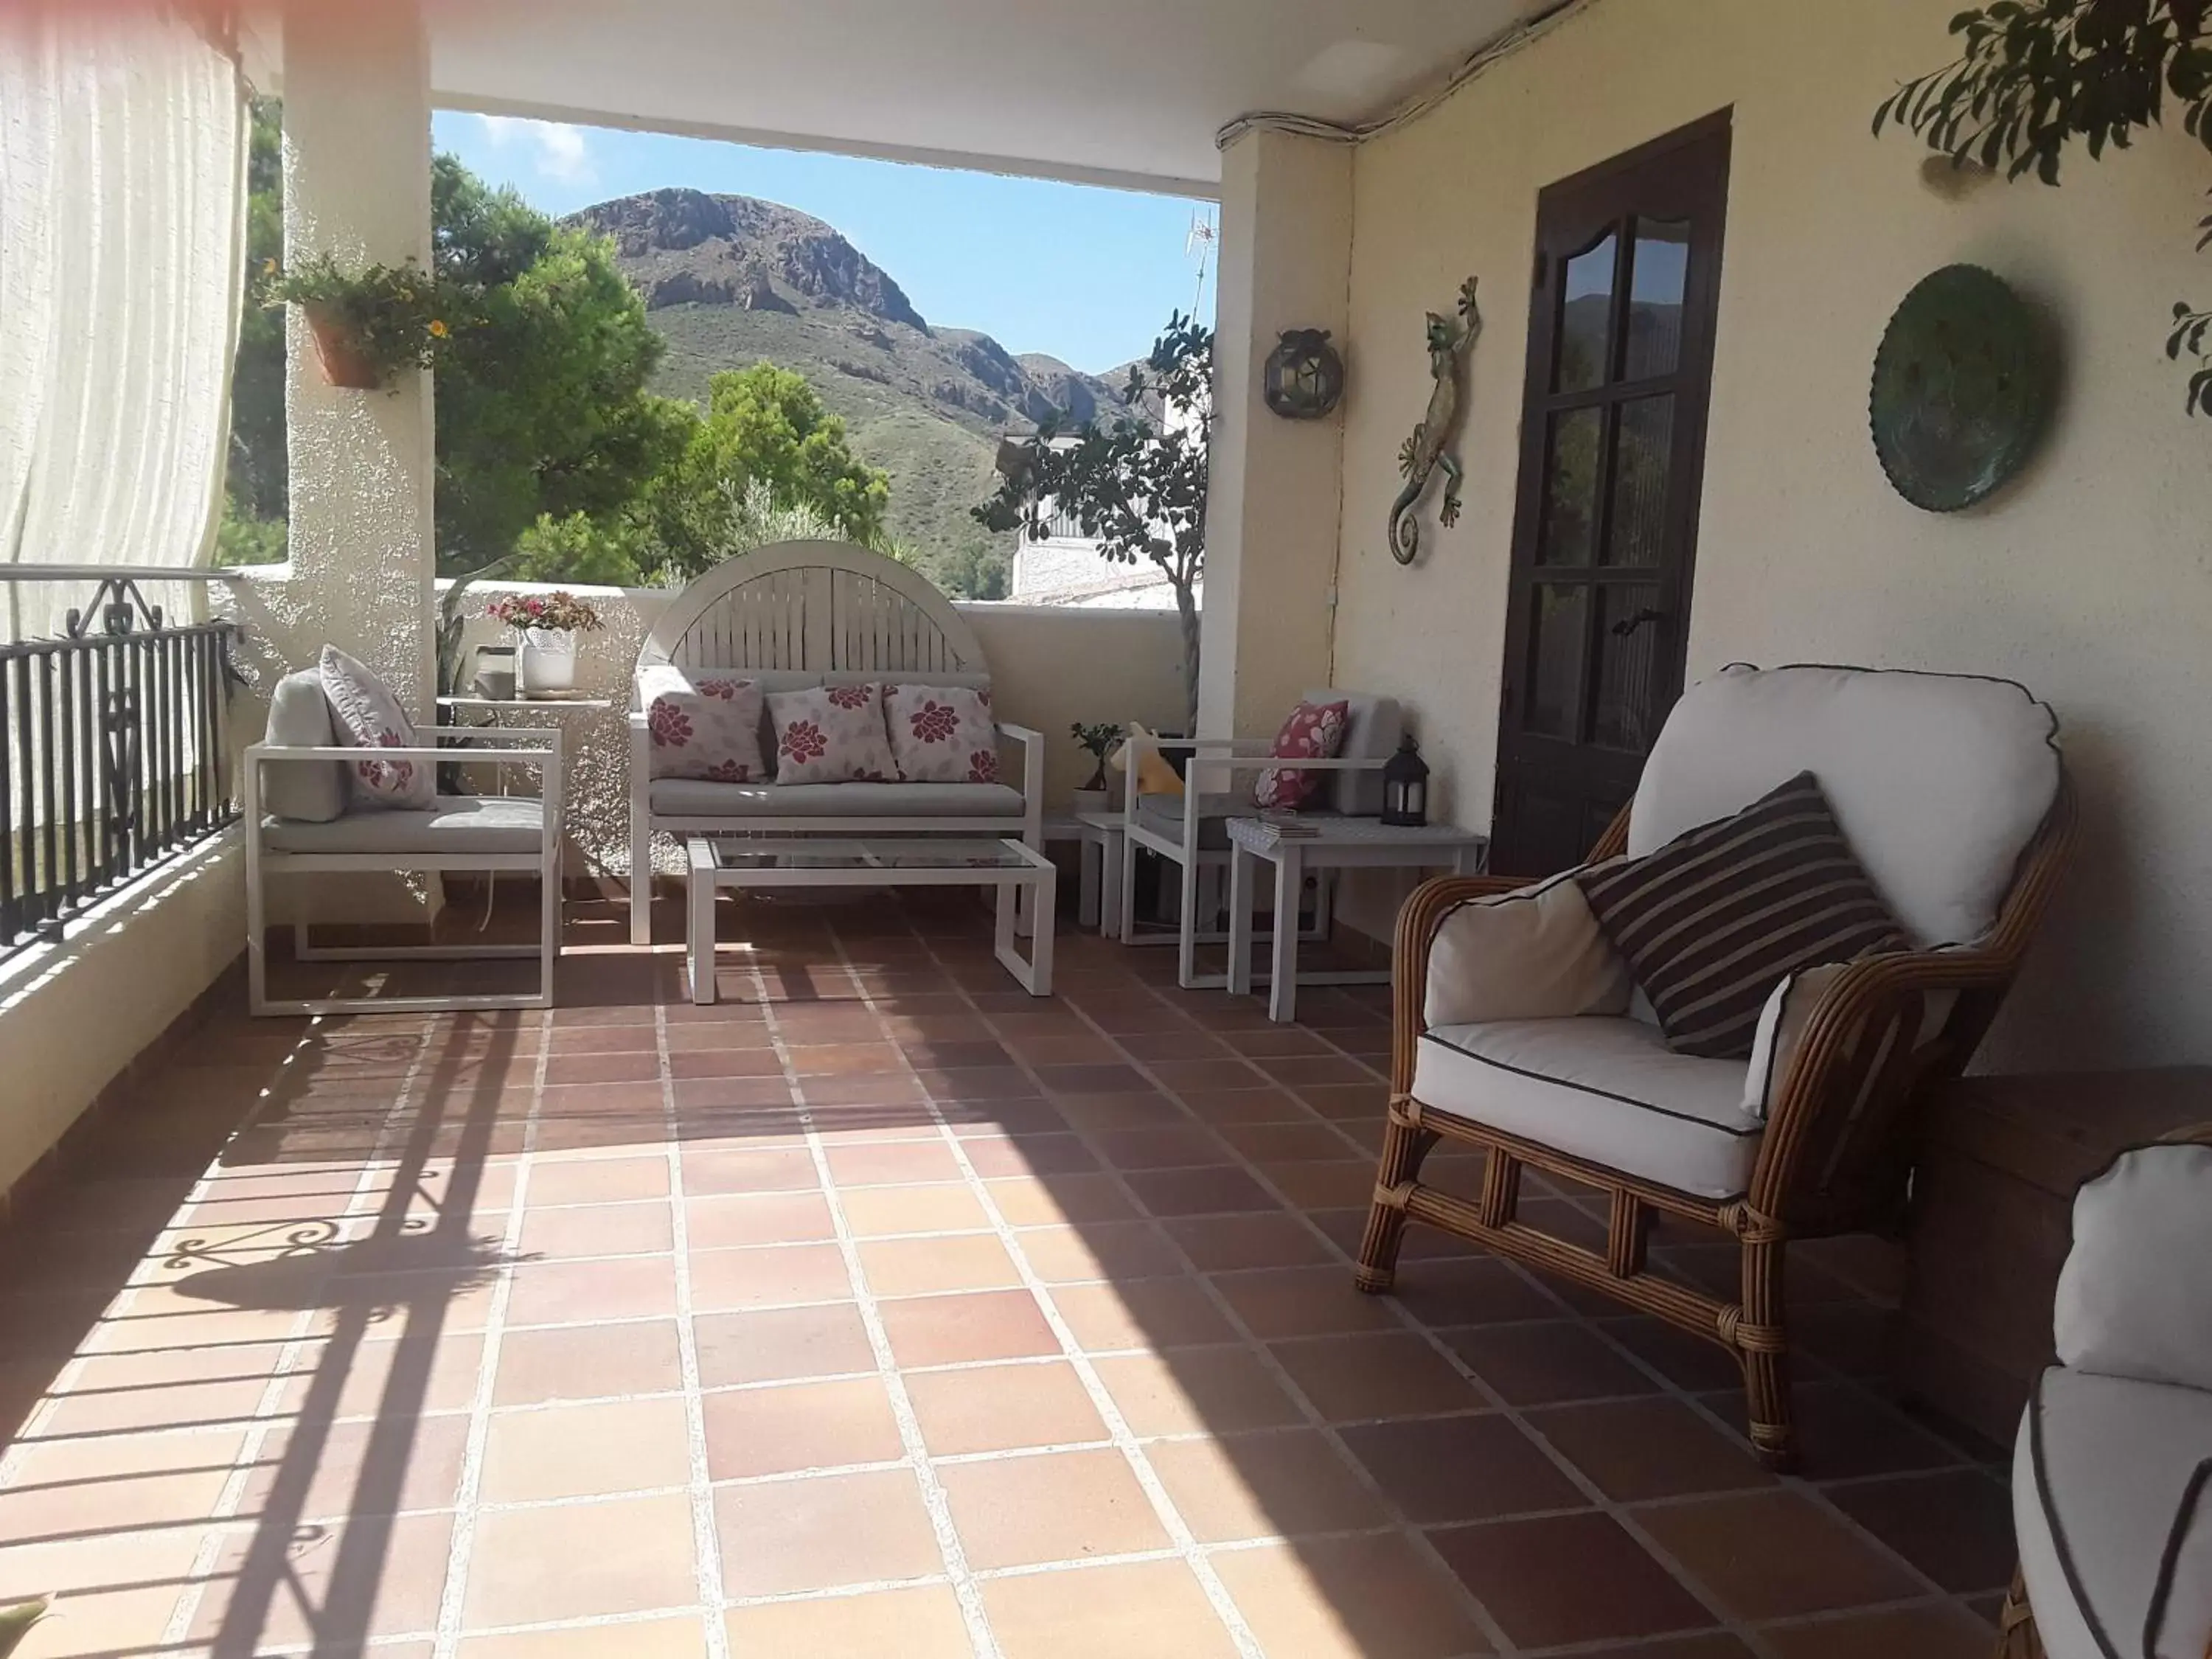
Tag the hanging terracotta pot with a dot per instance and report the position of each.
(344, 362)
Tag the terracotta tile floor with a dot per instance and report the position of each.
(883, 1309)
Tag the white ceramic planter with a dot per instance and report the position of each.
(1088, 801)
(548, 660)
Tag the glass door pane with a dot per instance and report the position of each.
(1658, 278)
(1585, 357)
(1555, 658)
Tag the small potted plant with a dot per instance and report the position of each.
(548, 623)
(1098, 741)
(370, 323)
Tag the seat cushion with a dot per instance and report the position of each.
(687, 798)
(1712, 922)
(314, 792)
(1163, 815)
(450, 824)
(1939, 781)
(2135, 1298)
(1603, 1088)
(2115, 1542)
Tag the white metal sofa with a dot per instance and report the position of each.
(298, 822)
(799, 614)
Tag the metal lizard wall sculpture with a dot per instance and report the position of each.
(1451, 344)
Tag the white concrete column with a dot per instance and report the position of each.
(357, 185)
(1275, 485)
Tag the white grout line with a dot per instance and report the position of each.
(933, 1497)
(1186, 1547)
(706, 1532)
(461, 1549)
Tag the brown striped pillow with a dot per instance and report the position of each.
(1712, 922)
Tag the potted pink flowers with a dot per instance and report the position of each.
(548, 623)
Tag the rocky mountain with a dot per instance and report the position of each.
(730, 280)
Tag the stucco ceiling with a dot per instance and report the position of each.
(1127, 92)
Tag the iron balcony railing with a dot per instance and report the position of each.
(114, 751)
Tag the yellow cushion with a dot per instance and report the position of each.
(1154, 775)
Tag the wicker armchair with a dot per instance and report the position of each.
(2111, 1488)
(1951, 791)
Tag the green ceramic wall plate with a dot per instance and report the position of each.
(1963, 387)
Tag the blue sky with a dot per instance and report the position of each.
(1089, 276)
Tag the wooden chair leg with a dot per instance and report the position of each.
(1763, 1349)
(2017, 1637)
(1405, 1144)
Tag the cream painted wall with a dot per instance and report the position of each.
(2088, 578)
(1272, 501)
(72, 1017)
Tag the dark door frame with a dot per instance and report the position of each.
(1691, 381)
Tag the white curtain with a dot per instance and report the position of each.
(122, 201)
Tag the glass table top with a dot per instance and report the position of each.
(888, 853)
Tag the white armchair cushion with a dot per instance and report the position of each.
(1372, 727)
(1938, 781)
(450, 824)
(2135, 1298)
(305, 790)
(1534, 954)
(2112, 1528)
(1606, 1089)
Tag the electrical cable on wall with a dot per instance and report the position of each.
(1337, 133)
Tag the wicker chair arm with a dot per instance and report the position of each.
(1869, 995)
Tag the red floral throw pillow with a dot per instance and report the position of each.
(1314, 731)
(943, 733)
(364, 714)
(831, 734)
(707, 728)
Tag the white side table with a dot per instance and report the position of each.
(1099, 895)
(1337, 843)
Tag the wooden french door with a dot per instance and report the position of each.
(1613, 434)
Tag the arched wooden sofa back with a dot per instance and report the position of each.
(815, 607)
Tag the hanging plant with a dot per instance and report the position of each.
(370, 323)
(2032, 77)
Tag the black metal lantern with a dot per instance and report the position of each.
(1304, 376)
(1406, 786)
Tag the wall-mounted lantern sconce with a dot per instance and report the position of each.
(1303, 377)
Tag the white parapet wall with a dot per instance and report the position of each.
(74, 1014)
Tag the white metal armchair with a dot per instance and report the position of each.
(1189, 830)
(483, 834)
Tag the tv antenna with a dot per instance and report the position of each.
(1200, 240)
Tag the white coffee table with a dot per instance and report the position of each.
(1336, 844)
(790, 861)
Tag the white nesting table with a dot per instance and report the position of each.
(1099, 899)
(1337, 844)
(792, 861)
